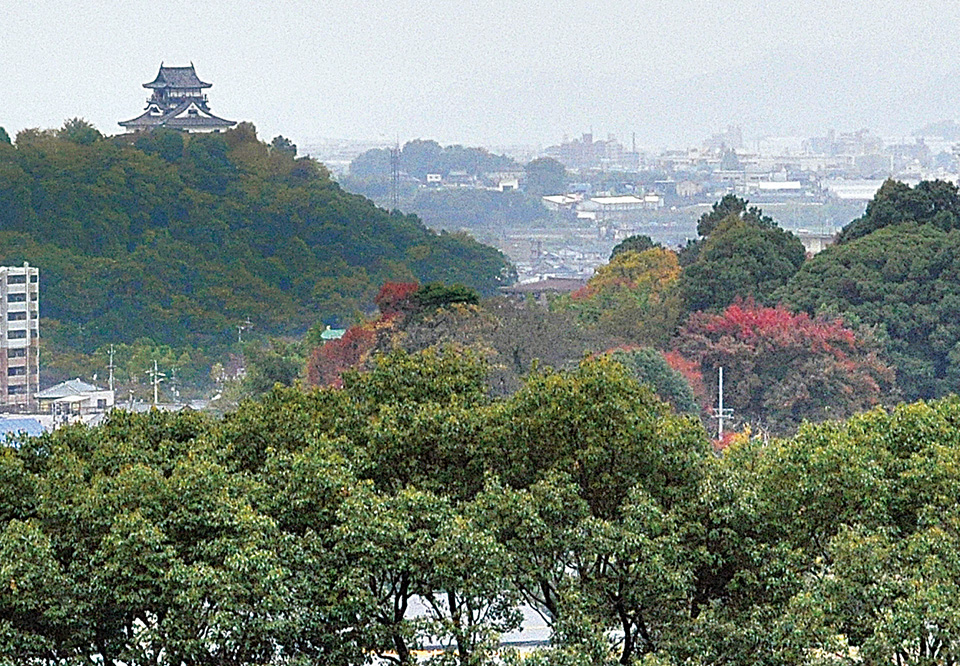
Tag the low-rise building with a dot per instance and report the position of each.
(75, 398)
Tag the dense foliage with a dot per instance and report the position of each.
(545, 176)
(512, 336)
(423, 156)
(905, 279)
(636, 243)
(784, 368)
(469, 208)
(742, 257)
(634, 298)
(410, 509)
(934, 202)
(648, 366)
(179, 238)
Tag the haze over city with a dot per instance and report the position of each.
(494, 74)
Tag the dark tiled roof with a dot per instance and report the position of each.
(177, 77)
(146, 120)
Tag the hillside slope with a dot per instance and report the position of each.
(181, 237)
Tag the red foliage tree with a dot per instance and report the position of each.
(691, 372)
(394, 297)
(781, 368)
(330, 360)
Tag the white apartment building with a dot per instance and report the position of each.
(19, 337)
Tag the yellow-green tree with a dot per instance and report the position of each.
(633, 298)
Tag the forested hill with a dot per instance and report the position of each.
(181, 237)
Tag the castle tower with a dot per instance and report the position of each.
(178, 102)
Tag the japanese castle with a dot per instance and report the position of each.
(177, 102)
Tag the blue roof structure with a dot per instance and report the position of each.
(13, 428)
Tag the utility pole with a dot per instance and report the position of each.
(111, 366)
(719, 413)
(174, 384)
(155, 378)
(241, 328)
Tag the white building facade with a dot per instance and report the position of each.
(19, 337)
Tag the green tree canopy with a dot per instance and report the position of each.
(179, 237)
(740, 258)
(637, 243)
(423, 156)
(903, 280)
(649, 367)
(934, 202)
(545, 176)
(729, 205)
(78, 130)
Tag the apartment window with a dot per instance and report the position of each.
(16, 298)
(33, 278)
(16, 371)
(16, 316)
(14, 390)
(101, 403)
(17, 352)
(16, 279)
(16, 335)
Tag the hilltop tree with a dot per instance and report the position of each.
(4, 137)
(633, 298)
(372, 163)
(420, 157)
(729, 206)
(637, 243)
(935, 202)
(545, 176)
(742, 257)
(902, 279)
(79, 131)
(284, 145)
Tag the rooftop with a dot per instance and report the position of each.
(187, 115)
(624, 200)
(550, 284)
(177, 77)
(68, 388)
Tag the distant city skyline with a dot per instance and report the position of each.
(481, 74)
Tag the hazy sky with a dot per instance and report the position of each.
(492, 73)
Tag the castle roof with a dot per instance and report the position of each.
(177, 77)
(187, 115)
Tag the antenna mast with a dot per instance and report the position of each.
(395, 176)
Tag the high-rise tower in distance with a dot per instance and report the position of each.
(19, 337)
